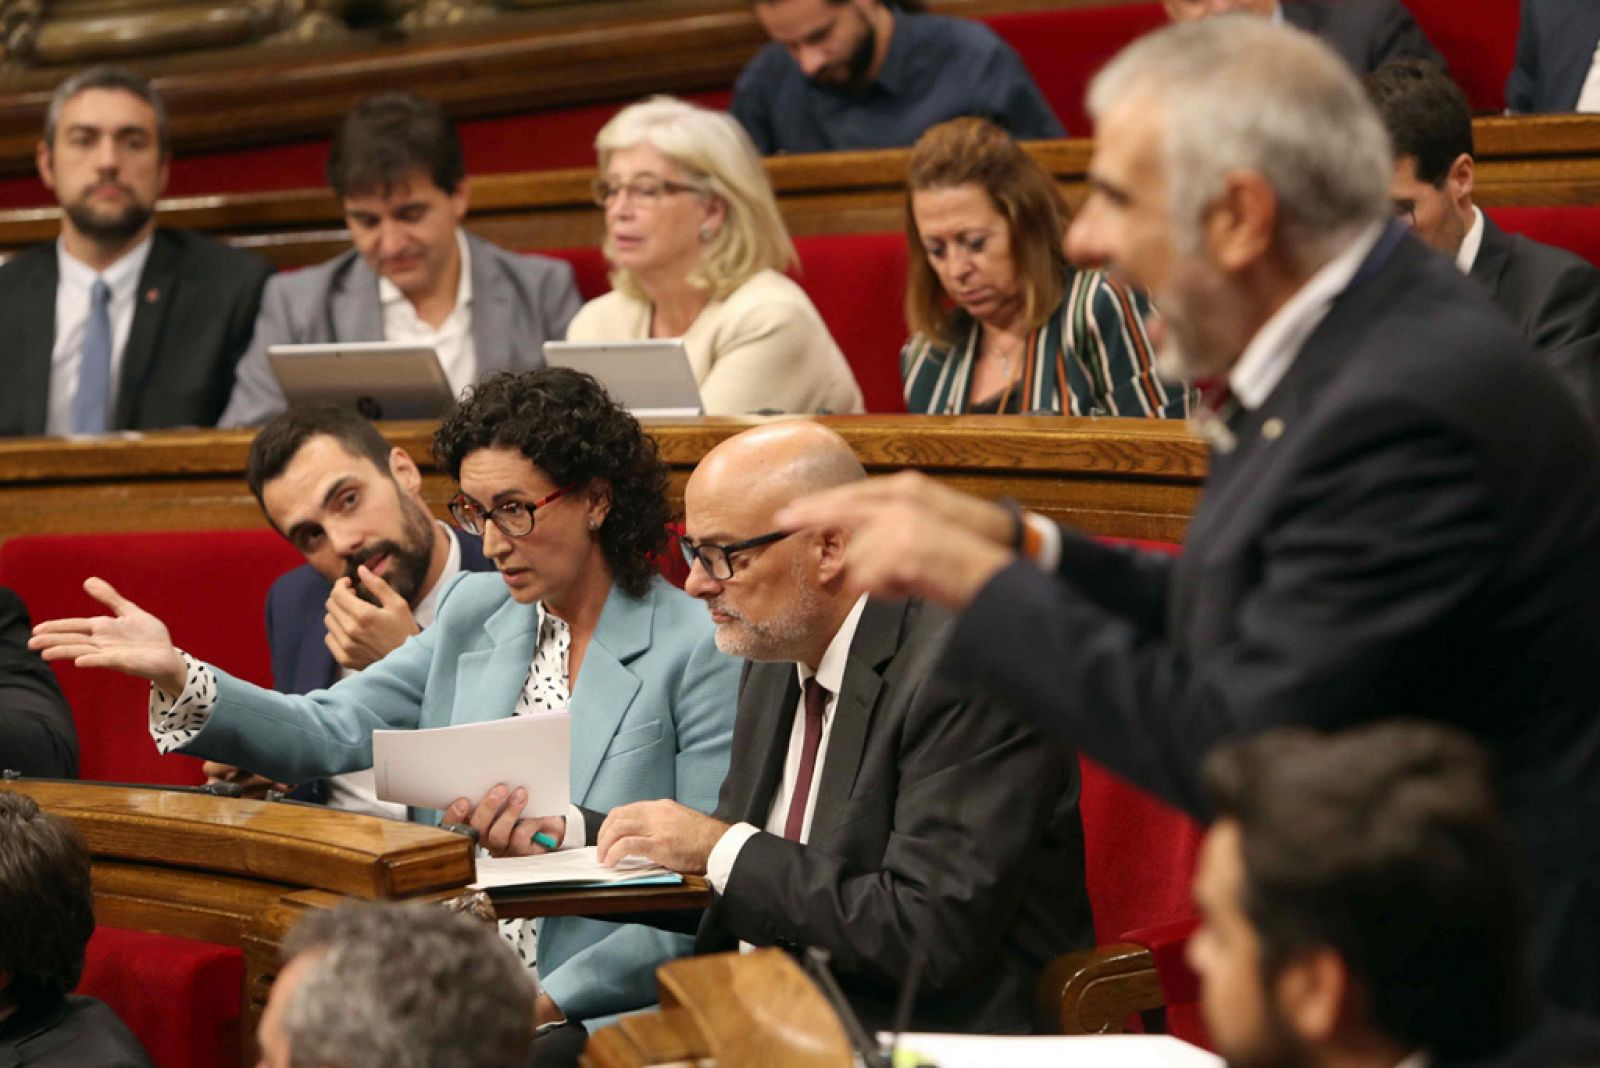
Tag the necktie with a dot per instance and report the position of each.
(91, 406)
(816, 703)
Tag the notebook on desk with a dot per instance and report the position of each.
(651, 379)
(379, 379)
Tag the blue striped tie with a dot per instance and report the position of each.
(91, 407)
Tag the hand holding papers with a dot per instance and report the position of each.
(431, 768)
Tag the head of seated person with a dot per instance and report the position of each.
(1361, 901)
(1430, 124)
(345, 498)
(697, 249)
(375, 984)
(990, 289)
(397, 169)
(46, 918)
(567, 491)
(689, 212)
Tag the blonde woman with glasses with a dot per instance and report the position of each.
(697, 250)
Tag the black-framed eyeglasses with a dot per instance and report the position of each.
(645, 190)
(514, 518)
(718, 559)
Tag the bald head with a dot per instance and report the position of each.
(772, 465)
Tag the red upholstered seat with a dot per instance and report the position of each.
(1478, 38)
(210, 588)
(1180, 986)
(1573, 227)
(179, 997)
(1064, 48)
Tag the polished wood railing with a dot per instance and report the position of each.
(1529, 160)
(1119, 477)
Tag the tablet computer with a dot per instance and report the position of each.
(649, 378)
(379, 379)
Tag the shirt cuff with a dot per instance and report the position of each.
(719, 865)
(577, 835)
(174, 721)
(1049, 555)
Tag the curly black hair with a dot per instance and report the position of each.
(566, 423)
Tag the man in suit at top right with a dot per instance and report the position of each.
(1558, 58)
(1366, 33)
(1402, 512)
(1551, 295)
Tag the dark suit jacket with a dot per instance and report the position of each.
(195, 309)
(1417, 534)
(296, 628)
(1367, 33)
(79, 1033)
(36, 732)
(1553, 297)
(1555, 48)
(942, 824)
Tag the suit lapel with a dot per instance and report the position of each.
(37, 336)
(491, 310)
(770, 695)
(489, 681)
(158, 288)
(606, 685)
(355, 308)
(876, 639)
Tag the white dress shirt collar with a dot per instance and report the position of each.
(830, 669)
(427, 609)
(121, 276)
(1467, 254)
(1272, 351)
(74, 286)
(452, 338)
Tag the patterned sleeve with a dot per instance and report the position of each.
(1120, 356)
(174, 721)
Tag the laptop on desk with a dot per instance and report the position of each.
(379, 379)
(651, 379)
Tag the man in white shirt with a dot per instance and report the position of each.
(415, 275)
(119, 324)
(375, 562)
(869, 809)
(1551, 295)
(1362, 904)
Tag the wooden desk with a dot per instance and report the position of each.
(693, 893)
(1135, 478)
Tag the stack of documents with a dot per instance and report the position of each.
(431, 768)
(570, 869)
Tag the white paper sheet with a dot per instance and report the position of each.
(431, 768)
(1053, 1051)
(570, 868)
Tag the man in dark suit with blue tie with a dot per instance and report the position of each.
(120, 324)
(375, 561)
(1402, 513)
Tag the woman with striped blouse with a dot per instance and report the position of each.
(1000, 321)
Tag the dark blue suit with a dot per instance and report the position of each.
(1555, 48)
(297, 634)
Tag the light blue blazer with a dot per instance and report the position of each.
(652, 717)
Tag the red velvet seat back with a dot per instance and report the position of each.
(179, 997)
(1478, 38)
(209, 587)
(1573, 227)
(1063, 49)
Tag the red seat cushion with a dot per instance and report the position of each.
(1478, 38)
(1063, 49)
(1573, 227)
(1180, 986)
(1139, 855)
(179, 997)
(209, 587)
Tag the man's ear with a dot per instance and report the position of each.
(1315, 995)
(831, 544)
(1240, 224)
(1458, 183)
(403, 469)
(45, 163)
(461, 200)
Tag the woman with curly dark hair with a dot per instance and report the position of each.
(569, 495)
